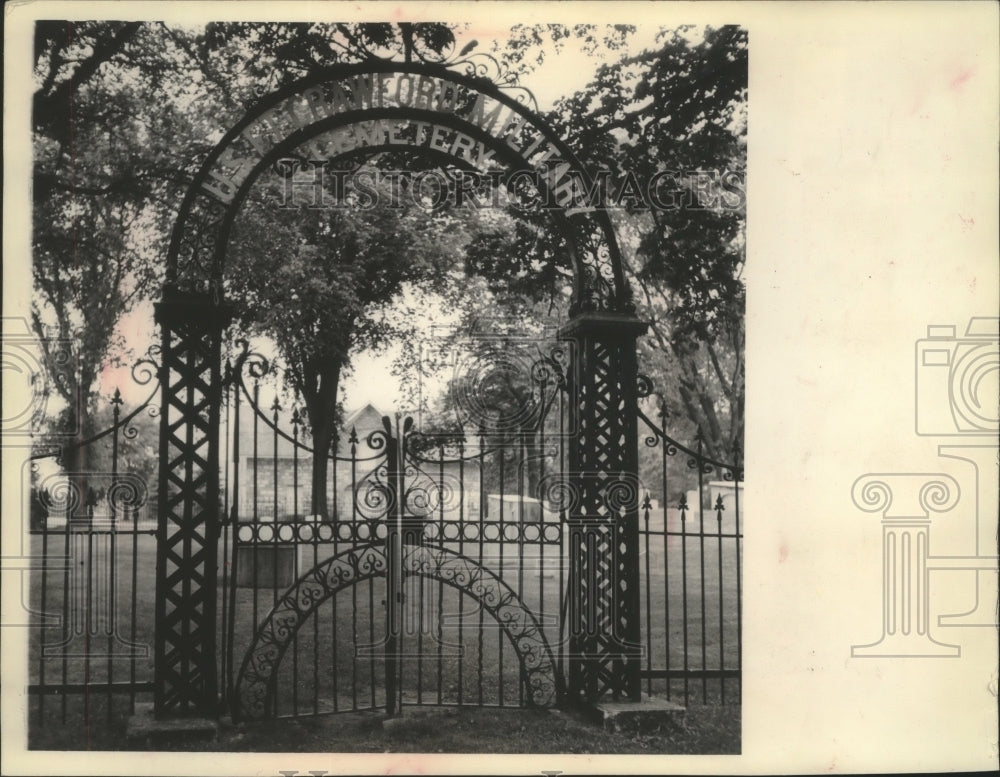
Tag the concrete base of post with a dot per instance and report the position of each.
(144, 729)
(642, 717)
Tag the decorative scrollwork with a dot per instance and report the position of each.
(147, 369)
(129, 430)
(705, 466)
(597, 282)
(194, 263)
(255, 683)
(373, 494)
(732, 472)
(547, 371)
(560, 357)
(257, 365)
(60, 494)
(377, 440)
(127, 492)
(621, 493)
(485, 67)
(937, 495)
(560, 493)
(643, 386)
(430, 492)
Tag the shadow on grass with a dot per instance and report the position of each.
(708, 730)
(705, 730)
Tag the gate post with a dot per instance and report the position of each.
(604, 628)
(188, 506)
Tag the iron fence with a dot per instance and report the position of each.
(692, 593)
(92, 535)
(311, 621)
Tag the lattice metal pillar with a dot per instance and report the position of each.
(604, 636)
(188, 523)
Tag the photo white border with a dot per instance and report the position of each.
(872, 212)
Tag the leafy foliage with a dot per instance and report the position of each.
(106, 174)
(324, 284)
(673, 116)
(109, 173)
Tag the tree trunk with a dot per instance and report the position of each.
(321, 404)
(72, 462)
(323, 436)
(76, 458)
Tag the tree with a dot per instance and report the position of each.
(680, 111)
(246, 59)
(501, 372)
(122, 114)
(106, 172)
(673, 115)
(110, 171)
(323, 284)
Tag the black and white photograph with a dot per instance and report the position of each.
(400, 388)
(396, 397)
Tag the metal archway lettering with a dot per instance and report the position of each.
(481, 126)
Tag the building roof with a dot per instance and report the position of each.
(353, 417)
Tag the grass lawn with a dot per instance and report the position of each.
(701, 730)
(483, 730)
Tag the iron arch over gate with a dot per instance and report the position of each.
(348, 95)
(475, 122)
(255, 684)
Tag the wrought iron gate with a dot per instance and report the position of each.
(440, 573)
(433, 577)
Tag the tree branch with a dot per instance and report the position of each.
(46, 105)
